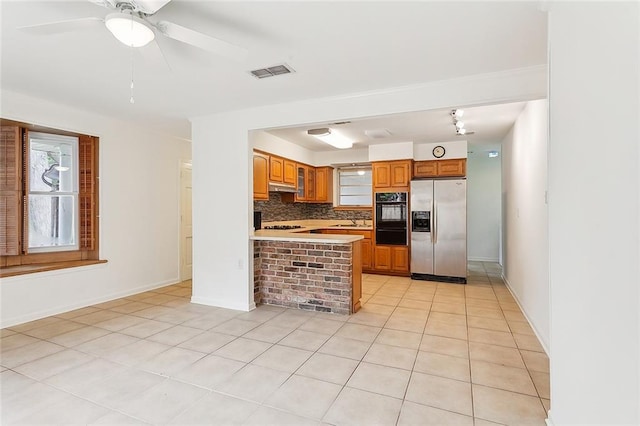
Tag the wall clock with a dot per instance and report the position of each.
(438, 151)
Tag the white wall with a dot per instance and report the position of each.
(525, 218)
(594, 188)
(139, 215)
(222, 153)
(483, 207)
(453, 149)
(267, 142)
(391, 151)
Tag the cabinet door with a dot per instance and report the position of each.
(260, 177)
(381, 178)
(366, 254)
(400, 172)
(400, 259)
(276, 169)
(301, 195)
(324, 184)
(425, 169)
(456, 167)
(290, 172)
(311, 184)
(382, 258)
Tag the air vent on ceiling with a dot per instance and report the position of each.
(337, 123)
(377, 133)
(272, 71)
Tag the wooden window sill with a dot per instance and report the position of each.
(12, 271)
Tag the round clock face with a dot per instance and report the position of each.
(438, 151)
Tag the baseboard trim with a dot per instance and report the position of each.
(533, 327)
(548, 420)
(10, 322)
(221, 303)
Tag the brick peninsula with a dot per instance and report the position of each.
(308, 270)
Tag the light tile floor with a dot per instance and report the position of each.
(418, 353)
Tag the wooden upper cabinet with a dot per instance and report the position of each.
(276, 169)
(456, 167)
(310, 184)
(391, 174)
(301, 176)
(260, 176)
(324, 184)
(400, 172)
(381, 177)
(425, 169)
(290, 172)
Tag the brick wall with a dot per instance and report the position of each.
(310, 276)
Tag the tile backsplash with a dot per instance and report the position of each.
(276, 210)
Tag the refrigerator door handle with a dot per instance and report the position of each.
(433, 221)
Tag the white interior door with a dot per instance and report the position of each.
(186, 227)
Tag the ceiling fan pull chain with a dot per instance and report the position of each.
(131, 100)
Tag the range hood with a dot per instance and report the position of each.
(279, 187)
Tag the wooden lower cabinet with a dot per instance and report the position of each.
(400, 259)
(367, 255)
(391, 259)
(382, 258)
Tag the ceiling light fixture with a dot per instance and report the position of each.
(331, 137)
(456, 114)
(129, 29)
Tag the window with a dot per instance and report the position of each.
(355, 186)
(53, 193)
(48, 196)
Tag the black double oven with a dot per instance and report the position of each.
(391, 218)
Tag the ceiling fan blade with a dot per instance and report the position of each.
(148, 6)
(62, 26)
(153, 54)
(109, 4)
(205, 42)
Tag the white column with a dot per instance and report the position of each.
(594, 190)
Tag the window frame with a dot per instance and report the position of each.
(15, 256)
(339, 186)
(75, 143)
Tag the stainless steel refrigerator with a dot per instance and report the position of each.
(439, 230)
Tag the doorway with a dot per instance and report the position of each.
(186, 227)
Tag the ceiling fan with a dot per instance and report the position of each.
(130, 24)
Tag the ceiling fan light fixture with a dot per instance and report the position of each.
(331, 137)
(129, 29)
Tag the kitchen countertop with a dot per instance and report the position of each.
(302, 234)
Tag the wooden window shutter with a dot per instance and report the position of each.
(10, 190)
(87, 192)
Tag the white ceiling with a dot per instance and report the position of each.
(490, 124)
(335, 47)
